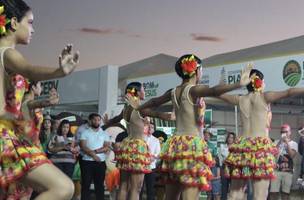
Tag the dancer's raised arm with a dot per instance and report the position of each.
(16, 63)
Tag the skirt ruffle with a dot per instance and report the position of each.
(186, 160)
(133, 156)
(251, 157)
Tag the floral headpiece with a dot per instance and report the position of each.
(189, 65)
(3, 21)
(257, 83)
(132, 92)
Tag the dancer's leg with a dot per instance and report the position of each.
(260, 189)
(123, 186)
(190, 193)
(52, 183)
(173, 191)
(237, 190)
(136, 182)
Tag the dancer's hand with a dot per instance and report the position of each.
(133, 101)
(245, 79)
(169, 116)
(53, 97)
(105, 119)
(68, 60)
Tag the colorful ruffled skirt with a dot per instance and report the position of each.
(17, 157)
(186, 160)
(251, 157)
(133, 156)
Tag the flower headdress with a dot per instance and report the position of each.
(257, 83)
(132, 92)
(189, 65)
(3, 21)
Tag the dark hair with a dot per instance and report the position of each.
(159, 134)
(178, 67)
(121, 136)
(257, 73)
(59, 130)
(133, 85)
(93, 115)
(228, 134)
(14, 8)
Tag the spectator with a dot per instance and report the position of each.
(287, 151)
(215, 193)
(94, 143)
(63, 149)
(301, 150)
(46, 132)
(224, 151)
(154, 148)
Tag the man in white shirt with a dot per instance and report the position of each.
(154, 148)
(94, 143)
(284, 172)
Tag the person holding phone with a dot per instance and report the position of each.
(284, 172)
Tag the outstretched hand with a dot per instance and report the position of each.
(105, 119)
(68, 59)
(132, 101)
(245, 79)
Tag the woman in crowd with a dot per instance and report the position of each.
(223, 153)
(63, 149)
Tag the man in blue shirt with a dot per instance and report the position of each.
(94, 143)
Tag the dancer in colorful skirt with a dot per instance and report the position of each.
(27, 129)
(185, 157)
(253, 154)
(133, 158)
(18, 159)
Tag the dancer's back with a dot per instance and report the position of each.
(254, 114)
(135, 123)
(185, 110)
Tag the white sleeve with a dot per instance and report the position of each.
(294, 146)
(157, 147)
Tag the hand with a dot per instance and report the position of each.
(169, 116)
(134, 102)
(96, 158)
(105, 119)
(245, 79)
(53, 97)
(68, 60)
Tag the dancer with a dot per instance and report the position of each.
(133, 158)
(27, 130)
(252, 156)
(185, 156)
(18, 159)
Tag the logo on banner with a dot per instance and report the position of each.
(234, 76)
(150, 89)
(292, 73)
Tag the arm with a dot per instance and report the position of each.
(110, 122)
(51, 101)
(204, 91)
(53, 148)
(89, 152)
(291, 152)
(161, 115)
(154, 102)
(274, 96)
(231, 99)
(16, 63)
